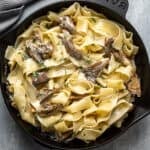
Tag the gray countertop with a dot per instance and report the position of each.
(136, 138)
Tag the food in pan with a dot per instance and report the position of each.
(73, 73)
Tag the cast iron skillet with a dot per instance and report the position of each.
(113, 9)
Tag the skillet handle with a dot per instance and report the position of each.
(119, 6)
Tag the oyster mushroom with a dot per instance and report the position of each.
(67, 23)
(45, 94)
(77, 97)
(120, 57)
(39, 78)
(94, 70)
(32, 51)
(70, 48)
(118, 54)
(38, 50)
(108, 47)
(45, 50)
(66, 137)
(49, 109)
(134, 86)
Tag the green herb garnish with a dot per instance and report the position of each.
(24, 56)
(42, 64)
(89, 61)
(80, 68)
(35, 74)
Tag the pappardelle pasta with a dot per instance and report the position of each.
(73, 73)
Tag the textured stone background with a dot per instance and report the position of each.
(136, 138)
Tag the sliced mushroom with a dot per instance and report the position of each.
(71, 50)
(45, 94)
(120, 57)
(38, 50)
(39, 78)
(67, 23)
(65, 137)
(77, 97)
(94, 70)
(118, 54)
(36, 37)
(45, 50)
(32, 51)
(108, 47)
(49, 109)
(134, 86)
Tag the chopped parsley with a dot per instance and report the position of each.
(42, 64)
(80, 67)
(24, 56)
(89, 61)
(35, 74)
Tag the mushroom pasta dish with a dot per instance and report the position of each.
(73, 74)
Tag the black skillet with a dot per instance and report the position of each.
(113, 9)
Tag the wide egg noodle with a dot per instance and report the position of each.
(47, 123)
(61, 98)
(83, 104)
(20, 98)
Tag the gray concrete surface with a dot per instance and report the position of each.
(136, 138)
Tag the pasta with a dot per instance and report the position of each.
(73, 73)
